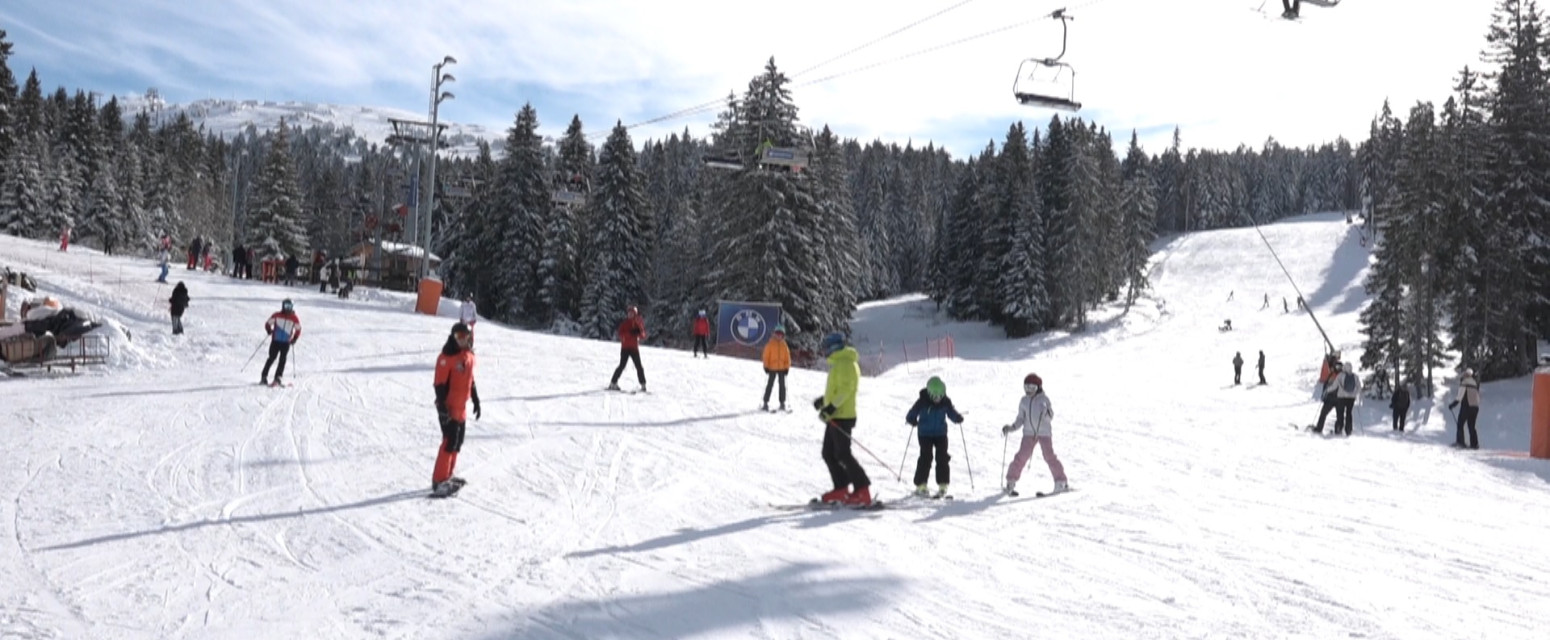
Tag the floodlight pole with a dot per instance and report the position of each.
(437, 96)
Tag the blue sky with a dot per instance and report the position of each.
(1219, 69)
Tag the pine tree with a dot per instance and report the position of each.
(620, 259)
(1520, 196)
(1138, 209)
(1016, 240)
(522, 201)
(274, 208)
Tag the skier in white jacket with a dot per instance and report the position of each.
(1034, 415)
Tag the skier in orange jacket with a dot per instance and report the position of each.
(454, 384)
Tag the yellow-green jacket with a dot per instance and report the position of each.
(844, 378)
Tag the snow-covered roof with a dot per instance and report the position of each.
(405, 250)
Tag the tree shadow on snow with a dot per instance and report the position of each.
(219, 522)
(159, 392)
(800, 518)
(800, 592)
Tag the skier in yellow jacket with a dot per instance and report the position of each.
(837, 408)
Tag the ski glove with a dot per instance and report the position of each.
(827, 411)
(1453, 404)
(477, 412)
(1008, 429)
(818, 403)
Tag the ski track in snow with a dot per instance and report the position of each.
(170, 497)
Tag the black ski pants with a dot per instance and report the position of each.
(1237, 373)
(1291, 6)
(843, 468)
(1346, 413)
(1467, 416)
(1400, 414)
(701, 345)
(281, 349)
(452, 432)
(629, 355)
(1330, 402)
(770, 382)
(930, 445)
(1262, 375)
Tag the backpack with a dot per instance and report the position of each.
(1350, 383)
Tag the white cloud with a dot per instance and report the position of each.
(1226, 74)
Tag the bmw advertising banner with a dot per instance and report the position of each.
(742, 328)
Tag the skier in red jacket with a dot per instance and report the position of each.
(701, 334)
(631, 331)
(284, 329)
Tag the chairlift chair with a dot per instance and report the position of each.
(1042, 86)
(567, 197)
(725, 163)
(785, 157)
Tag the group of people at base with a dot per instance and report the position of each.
(454, 387)
(1340, 386)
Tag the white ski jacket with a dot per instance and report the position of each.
(469, 313)
(1034, 415)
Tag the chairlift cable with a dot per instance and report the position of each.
(944, 45)
(883, 37)
(713, 104)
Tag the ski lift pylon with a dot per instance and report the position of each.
(1029, 91)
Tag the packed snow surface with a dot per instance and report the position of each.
(167, 495)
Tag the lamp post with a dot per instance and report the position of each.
(236, 172)
(437, 96)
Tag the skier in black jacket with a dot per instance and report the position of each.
(1400, 404)
(179, 302)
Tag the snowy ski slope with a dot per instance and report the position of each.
(169, 496)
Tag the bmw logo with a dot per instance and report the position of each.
(748, 327)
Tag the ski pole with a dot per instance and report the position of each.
(906, 452)
(853, 440)
(255, 355)
(1004, 440)
(965, 441)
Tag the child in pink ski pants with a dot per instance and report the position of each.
(1034, 414)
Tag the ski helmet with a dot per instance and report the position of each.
(780, 330)
(936, 388)
(633, 311)
(285, 305)
(1468, 372)
(1032, 383)
(702, 313)
(833, 342)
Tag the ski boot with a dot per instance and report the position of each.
(861, 497)
(941, 492)
(837, 496)
(920, 491)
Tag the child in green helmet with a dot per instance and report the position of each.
(930, 414)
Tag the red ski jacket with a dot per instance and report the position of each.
(701, 326)
(631, 332)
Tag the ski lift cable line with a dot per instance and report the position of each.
(706, 106)
(713, 104)
(1306, 306)
(882, 38)
(945, 45)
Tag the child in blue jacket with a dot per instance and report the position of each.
(930, 414)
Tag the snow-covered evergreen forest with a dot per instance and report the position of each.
(1031, 234)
